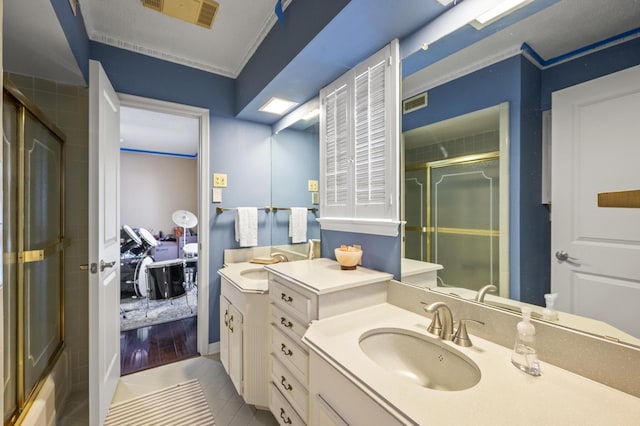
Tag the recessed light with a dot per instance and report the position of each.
(277, 106)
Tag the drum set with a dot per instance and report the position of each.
(143, 278)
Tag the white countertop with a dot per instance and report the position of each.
(233, 272)
(504, 395)
(322, 276)
(413, 267)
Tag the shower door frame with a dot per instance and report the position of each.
(26, 397)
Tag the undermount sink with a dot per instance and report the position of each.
(421, 360)
(255, 274)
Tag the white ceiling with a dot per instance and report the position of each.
(159, 133)
(238, 29)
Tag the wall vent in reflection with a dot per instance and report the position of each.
(415, 103)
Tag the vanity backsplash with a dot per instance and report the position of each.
(610, 363)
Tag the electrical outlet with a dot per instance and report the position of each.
(315, 198)
(313, 186)
(219, 180)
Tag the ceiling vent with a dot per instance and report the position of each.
(198, 12)
(414, 103)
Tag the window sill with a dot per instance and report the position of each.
(388, 228)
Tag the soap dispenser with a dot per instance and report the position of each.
(549, 313)
(524, 352)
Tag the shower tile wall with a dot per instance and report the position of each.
(68, 107)
(472, 144)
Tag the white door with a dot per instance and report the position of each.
(104, 243)
(595, 265)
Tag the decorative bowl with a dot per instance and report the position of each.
(348, 259)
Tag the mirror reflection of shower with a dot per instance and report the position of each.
(452, 198)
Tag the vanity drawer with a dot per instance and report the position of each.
(290, 300)
(282, 410)
(295, 392)
(286, 322)
(292, 356)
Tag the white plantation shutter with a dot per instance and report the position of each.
(359, 147)
(370, 141)
(337, 154)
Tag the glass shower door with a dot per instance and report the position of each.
(42, 240)
(415, 190)
(464, 221)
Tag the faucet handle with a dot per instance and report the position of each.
(461, 338)
(436, 325)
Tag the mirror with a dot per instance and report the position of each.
(455, 91)
(295, 166)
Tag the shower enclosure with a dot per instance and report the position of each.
(33, 249)
(452, 214)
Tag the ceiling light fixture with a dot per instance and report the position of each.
(277, 106)
(501, 10)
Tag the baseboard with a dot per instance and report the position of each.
(214, 348)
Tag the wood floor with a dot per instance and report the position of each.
(159, 344)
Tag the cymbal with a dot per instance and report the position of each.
(184, 218)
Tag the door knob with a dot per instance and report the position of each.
(563, 256)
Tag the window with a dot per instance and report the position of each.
(359, 134)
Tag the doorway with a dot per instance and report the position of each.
(161, 180)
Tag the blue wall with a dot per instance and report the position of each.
(294, 161)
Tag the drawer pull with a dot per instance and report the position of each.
(286, 350)
(286, 323)
(287, 419)
(285, 385)
(286, 298)
(231, 324)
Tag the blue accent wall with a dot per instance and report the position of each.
(75, 32)
(585, 68)
(141, 75)
(294, 161)
(241, 150)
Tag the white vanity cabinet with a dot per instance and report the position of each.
(337, 401)
(231, 342)
(301, 292)
(244, 341)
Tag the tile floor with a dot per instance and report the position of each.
(227, 406)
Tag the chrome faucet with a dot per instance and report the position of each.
(490, 288)
(280, 256)
(444, 328)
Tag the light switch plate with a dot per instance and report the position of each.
(315, 198)
(219, 180)
(313, 186)
(216, 195)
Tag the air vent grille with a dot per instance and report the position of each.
(207, 13)
(198, 12)
(153, 4)
(415, 103)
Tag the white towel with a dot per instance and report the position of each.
(247, 226)
(298, 224)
